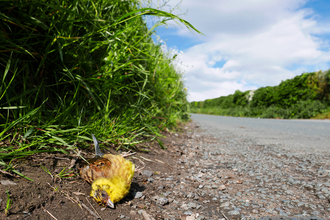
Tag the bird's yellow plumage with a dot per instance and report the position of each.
(110, 176)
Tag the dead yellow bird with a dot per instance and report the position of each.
(110, 176)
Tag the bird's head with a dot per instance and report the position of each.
(102, 189)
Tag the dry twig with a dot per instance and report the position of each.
(138, 159)
(49, 213)
(224, 216)
(93, 208)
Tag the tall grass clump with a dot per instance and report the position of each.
(72, 67)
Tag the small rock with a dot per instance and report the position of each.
(132, 213)
(192, 205)
(188, 213)
(162, 201)
(146, 173)
(225, 204)
(122, 216)
(233, 212)
(151, 180)
(222, 187)
(160, 187)
(137, 195)
(7, 182)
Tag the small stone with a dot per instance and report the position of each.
(151, 180)
(254, 211)
(192, 205)
(188, 213)
(214, 186)
(102, 209)
(160, 187)
(225, 204)
(140, 211)
(222, 187)
(7, 182)
(122, 216)
(138, 195)
(233, 212)
(162, 201)
(146, 173)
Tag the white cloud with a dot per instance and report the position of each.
(259, 41)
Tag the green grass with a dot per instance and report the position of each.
(70, 68)
(8, 203)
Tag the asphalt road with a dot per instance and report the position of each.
(301, 136)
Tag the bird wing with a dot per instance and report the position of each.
(97, 167)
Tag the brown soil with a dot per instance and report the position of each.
(67, 198)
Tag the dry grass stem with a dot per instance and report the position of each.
(90, 211)
(163, 163)
(49, 213)
(127, 154)
(145, 215)
(138, 160)
(224, 216)
(5, 172)
(147, 159)
(94, 209)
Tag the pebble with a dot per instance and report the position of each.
(146, 173)
(7, 182)
(138, 195)
(233, 212)
(162, 201)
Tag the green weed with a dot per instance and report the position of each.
(8, 204)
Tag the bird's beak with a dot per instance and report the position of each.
(110, 204)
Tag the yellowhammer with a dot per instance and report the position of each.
(110, 176)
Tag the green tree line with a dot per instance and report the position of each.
(304, 96)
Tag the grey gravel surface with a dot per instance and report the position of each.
(236, 168)
(269, 168)
(301, 136)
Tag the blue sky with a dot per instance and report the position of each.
(248, 43)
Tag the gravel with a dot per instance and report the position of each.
(223, 174)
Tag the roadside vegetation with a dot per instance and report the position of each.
(304, 96)
(70, 68)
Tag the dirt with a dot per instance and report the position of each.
(50, 197)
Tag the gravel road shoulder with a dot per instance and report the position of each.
(204, 174)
